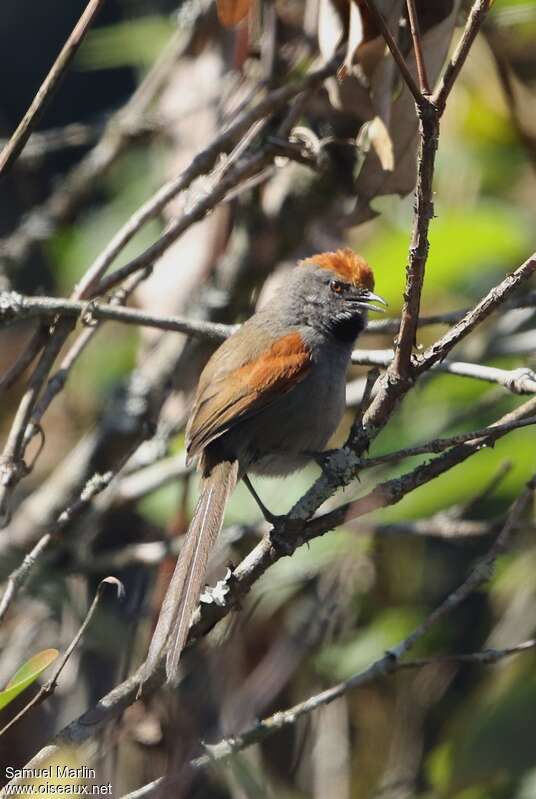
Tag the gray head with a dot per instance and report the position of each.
(332, 292)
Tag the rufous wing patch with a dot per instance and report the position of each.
(246, 391)
(347, 265)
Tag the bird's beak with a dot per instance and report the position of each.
(366, 300)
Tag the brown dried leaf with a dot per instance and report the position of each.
(382, 143)
(369, 54)
(400, 120)
(231, 12)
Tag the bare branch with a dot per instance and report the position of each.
(474, 22)
(518, 381)
(251, 568)
(495, 297)
(14, 307)
(49, 687)
(395, 50)
(23, 361)
(17, 141)
(417, 47)
(441, 444)
(18, 578)
(388, 664)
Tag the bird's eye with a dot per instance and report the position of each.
(337, 287)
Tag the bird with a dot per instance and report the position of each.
(269, 397)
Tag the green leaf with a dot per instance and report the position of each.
(26, 675)
(135, 42)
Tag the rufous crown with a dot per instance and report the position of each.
(347, 265)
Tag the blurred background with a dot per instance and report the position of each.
(463, 732)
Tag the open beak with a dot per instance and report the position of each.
(366, 300)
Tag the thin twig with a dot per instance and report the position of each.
(201, 164)
(20, 575)
(474, 22)
(382, 667)
(487, 305)
(241, 580)
(12, 466)
(400, 376)
(49, 687)
(417, 47)
(9, 154)
(518, 381)
(505, 74)
(14, 307)
(75, 185)
(123, 128)
(441, 444)
(261, 730)
(23, 361)
(372, 376)
(395, 50)
(53, 140)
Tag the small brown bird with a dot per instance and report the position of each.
(269, 397)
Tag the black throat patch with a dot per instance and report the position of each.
(347, 328)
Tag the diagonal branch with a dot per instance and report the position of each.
(50, 686)
(417, 47)
(12, 149)
(474, 22)
(382, 25)
(90, 723)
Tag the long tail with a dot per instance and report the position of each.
(188, 578)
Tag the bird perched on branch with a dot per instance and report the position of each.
(270, 397)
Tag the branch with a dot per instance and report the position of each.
(381, 24)
(20, 575)
(23, 361)
(474, 22)
(12, 466)
(392, 325)
(49, 687)
(474, 317)
(400, 375)
(12, 149)
(60, 205)
(381, 668)
(518, 381)
(203, 162)
(15, 307)
(122, 129)
(417, 47)
(388, 664)
(247, 573)
(28, 416)
(52, 140)
(485, 434)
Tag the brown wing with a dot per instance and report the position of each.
(242, 392)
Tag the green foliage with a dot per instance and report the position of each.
(136, 42)
(26, 675)
(388, 628)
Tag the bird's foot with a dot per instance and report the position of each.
(324, 458)
(279, 538)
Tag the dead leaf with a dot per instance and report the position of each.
(397, 112)
(231, 12)
(382, 143)
(369, 54)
